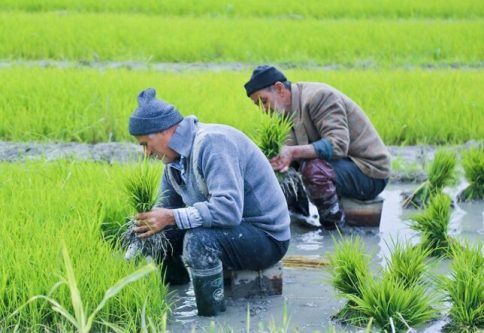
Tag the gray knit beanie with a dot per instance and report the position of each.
(152, 115)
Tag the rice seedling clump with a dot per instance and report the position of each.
(464, 289)
(473, 163)
(433, 225)
(396, 301)
(441, 173)
(142, 189)
(407, 264)
(350, 268)
(392, 305)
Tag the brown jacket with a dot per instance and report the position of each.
(321, 111)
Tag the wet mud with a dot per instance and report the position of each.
(412, 160)
(308, 298)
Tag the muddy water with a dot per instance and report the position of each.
(309, 299)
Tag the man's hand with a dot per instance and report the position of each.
(282, 161)
(154, 221)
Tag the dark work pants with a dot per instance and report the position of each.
(243, 247)
(351, 182)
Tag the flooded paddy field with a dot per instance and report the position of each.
(308, 297)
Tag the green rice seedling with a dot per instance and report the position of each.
(142, 189)
(271, 137)
(392, 306)
(407, 264)
(96, 103)
(441, 173)
(473, 163)
(262, 8)
(60, 200)
(349, 265)
(81, 319)
(113, 221)
(272, 133)
(464, 289)
(433, 225)
(387, 42)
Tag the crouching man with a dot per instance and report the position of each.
(339, 151)
(220, 204)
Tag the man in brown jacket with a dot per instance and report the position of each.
(339, 151)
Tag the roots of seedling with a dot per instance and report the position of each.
(155, 246)
(291, 183)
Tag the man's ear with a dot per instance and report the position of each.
(279, 86)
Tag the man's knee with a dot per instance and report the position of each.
(319, 178)
(200, 249)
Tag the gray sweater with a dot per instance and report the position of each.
(233, 181)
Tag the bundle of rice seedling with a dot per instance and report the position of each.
(272, 134)
(350, 265)
(407, 264)
(350, 269)
(473, 163)
(433, 225)
(142, 189)
(464, 289)
(393, 306)
(396, 301)
(440, 174)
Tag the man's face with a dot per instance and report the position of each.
(272, 99)
(157, 145)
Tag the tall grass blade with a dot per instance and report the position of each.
(74, 291)
(114, 290)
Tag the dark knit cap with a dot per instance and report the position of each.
(152, 115)
(263, 76)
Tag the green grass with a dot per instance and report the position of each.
(86, 105)
(190, 39)
(296, 10)
(55, 202)
(464, 289)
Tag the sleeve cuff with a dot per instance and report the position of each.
(187, 218)
(323, 149)
(204, 213)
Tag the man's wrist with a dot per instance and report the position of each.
(171, 217)
(302, 152)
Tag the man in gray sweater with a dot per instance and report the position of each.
(336, 145)
(214, 205)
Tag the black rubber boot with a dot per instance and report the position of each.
(173, 271)
(208, 285)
